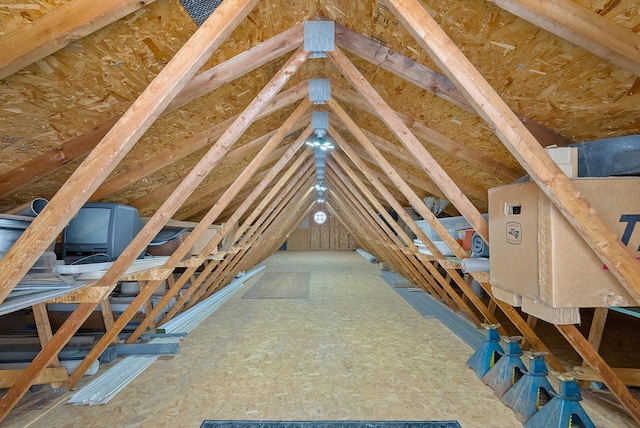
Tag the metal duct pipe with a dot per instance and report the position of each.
(147, 348)
(319, 153)
(32, 208)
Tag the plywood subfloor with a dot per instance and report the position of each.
(354, 350)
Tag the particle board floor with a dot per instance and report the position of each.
(280, 285)
(354, 350)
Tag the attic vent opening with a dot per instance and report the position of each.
(200, 10)
(319, 37)
(320, 217)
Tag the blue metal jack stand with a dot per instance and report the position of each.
(532, 391)
(490, 351)
(564, 410)
(508, 370)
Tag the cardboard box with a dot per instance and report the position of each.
(537, 254)
(204, 239)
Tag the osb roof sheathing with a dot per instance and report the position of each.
(539, 75)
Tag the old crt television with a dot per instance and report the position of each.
(99, 233)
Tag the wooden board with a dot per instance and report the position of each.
(298, 240)
(280, 285)
(48, 375)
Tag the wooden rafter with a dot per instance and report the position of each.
(165, 157)
(253, 196)
(79, 146)
(406, 137)
(587, 29)
(193, 54)
(420, 208)
(180, 195)
(427, 215)
(201, 196)
(120, 139)
(553, 182)
(385, 146)
(426, 78)
(59, 28)
(455, 148)
(401, 241)
(522, 144)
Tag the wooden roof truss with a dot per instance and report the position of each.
(275, 186)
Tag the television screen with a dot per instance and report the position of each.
(90, 226)
(100, 232)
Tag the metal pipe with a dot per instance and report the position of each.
(147, 348)
(70, 365)
(33, 208)
(28, 355)
(370, 257)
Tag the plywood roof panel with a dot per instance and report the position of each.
(538, 74)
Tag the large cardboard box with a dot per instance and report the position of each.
(537, 254)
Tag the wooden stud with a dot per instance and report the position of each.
(531, 322)
(596, 331)
(43, 325)
(42, 360)
(107, 316)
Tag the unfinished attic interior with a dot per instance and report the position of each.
(433, 187)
